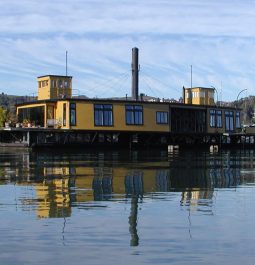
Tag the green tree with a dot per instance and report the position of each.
(3, 116)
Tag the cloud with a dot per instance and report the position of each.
(215, 37)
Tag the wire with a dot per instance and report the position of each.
(144, 79)
(104, 83)
(119, 81)
(159, 81)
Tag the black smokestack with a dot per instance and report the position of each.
(135, 70)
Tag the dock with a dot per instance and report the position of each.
(46, 137)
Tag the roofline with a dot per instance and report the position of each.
(55, 76)
(174, 104)
(199, 87)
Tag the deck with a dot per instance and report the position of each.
(38, 137)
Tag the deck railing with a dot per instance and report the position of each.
(53, 123)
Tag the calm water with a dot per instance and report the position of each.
(81, 207)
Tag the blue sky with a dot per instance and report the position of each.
(216, 37)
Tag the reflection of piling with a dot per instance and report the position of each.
(102, 188)
(134, 187)
(132, 220)
(134, 183)
(162, 181)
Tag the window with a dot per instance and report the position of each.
(60, 83)
(202, 94)
(211, 95)
(194, 94)
(215, 118)
(219, 118)
(229, 120)
(103, 115)
(134, 115)
(212, 118)
(238, 123)
(64, 114)
(50, 112)
(72, 114)
(66, 84)
(162, 117)
(54, 83)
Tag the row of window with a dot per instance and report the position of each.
(103, 116)
(216, 119)
(55, 83)
(199, 94)
(60, 83)
(43, 83)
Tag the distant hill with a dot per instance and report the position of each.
(247, 105)
(9, 101)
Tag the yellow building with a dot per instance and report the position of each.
(199, 96)
(54, 86)
(56, 109)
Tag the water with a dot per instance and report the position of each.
(87, 207)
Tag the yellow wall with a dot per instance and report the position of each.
(85, 117)
(52, 87)
(43, 88)
(59, 114)
(199, 96)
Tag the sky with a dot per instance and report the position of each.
(216, 38)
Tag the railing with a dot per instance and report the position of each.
(53, 123)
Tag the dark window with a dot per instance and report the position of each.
(103, 115)
(229, 120)
(238, 122)
(188, 120)
(64, 114)
(134, 115)
(162, 117)
(34, 115)
(72, 114)
(212, 118)
(219, 118)
(215, 118)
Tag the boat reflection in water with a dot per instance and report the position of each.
(61, 183)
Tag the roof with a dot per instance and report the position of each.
(111, 101)
(55, 76)
(209, 88)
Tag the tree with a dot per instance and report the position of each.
(3, 116)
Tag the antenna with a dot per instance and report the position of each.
(191, 76)
(66, 63)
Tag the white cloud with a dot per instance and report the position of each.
(216, 37)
